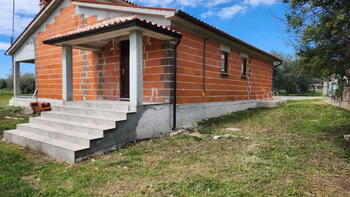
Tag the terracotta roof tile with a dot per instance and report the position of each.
(111, 22)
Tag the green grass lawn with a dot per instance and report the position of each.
(294, 150)
(5, 96)
(314, 94)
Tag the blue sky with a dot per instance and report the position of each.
(258, 22)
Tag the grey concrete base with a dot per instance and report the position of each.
(157, 120)
(190, 113)
(341, 104)
(25, 101)
(61, 150)
(74, 131)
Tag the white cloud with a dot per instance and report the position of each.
(4, 45)
(217, 2)
(224, 9)
(207, 14)
(259, 2)
(25, 11)
(229, 12)
(182, 3)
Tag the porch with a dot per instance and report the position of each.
(128, 38)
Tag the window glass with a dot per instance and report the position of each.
(224, 62)
(244, 67)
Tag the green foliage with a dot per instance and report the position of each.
(3, 84)
(27, 83)
(322, 31)
(5, 96)
(314, 94)
(288, 79)
(9, 82)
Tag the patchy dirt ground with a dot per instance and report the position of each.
(294, 150)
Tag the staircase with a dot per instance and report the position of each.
(73, 130)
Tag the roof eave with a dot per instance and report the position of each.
(119, 26)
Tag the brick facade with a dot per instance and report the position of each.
(96, 75)
(217, 87)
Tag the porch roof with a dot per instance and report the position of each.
(112, 28)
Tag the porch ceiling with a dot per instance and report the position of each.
(96, 36)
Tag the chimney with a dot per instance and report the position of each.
(44, 3)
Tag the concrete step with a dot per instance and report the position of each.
(64, 135)
(109, 114)
(70, 125)
(59, 149)
(74, 130)
(80, 118)
(115, 105)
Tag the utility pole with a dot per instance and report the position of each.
(13, 21)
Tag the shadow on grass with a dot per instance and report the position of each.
(233, 117)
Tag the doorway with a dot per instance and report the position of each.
(124, 70)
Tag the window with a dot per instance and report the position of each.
(244, 67)
(224, 63)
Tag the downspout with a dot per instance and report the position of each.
(249, 80)
(279, 64)
(273, 67)
(175, 82)
(204, 65)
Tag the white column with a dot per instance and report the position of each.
(67, 73)
(136, 60)
(16, 79)
(325, 88)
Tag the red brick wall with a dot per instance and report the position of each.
(217, 87)
(157, 70)
(96, 75)
(48, 58)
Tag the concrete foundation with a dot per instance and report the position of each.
(188, 114)
(342, 104)
(73, 131)
(25, 101)
(156, 119)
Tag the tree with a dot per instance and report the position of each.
(27, 83)
(322, 30)
(9, 82)
(3, 84)
(288, 79)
